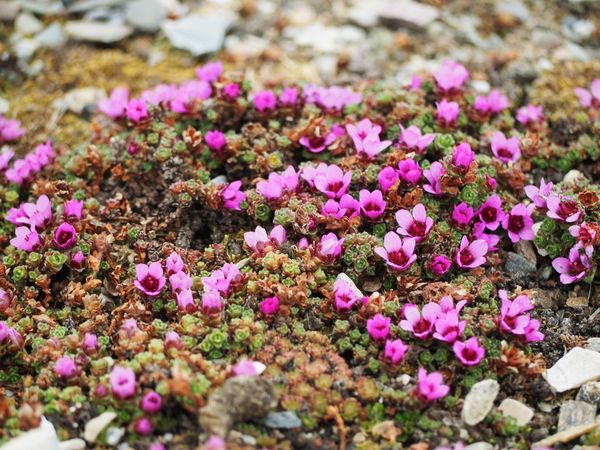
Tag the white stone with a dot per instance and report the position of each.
(407, 13)
(89, 30)
(73, 444)
(114, 435)
(578, 366)
(198, 34)
(479, 401)
(514, 408)
(41, 438)
(479, 446)
(26, 24)
(77, 99)
(95, 426)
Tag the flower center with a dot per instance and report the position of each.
(516, 223)
(150, 283)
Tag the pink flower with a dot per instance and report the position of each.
(211, 303)
(180, 281)
(439, 265)
(232, 196)
(288, 96)
(90, 342)
(345, 295)
(5, 157)
(316, 144)
(398, 253)
(149, 278)
(215, 443)
(539, 195)
(174, 263)
(563, 209)
(332, 181)
(182, 99)
(448, 327)
(451, 76)
(462, 214)
(185, 301)
(573, 268)
(115, 106)
(247, 368)
(433, 175)
(257, 240)
(215, 140)
(471, 254)
(585, 235)
(151, 402)
(379, 327)
(447, 305)
(414, 140)
(210, 71)
(409, 171)
(64, 236)
(530, 114)
(462, 157)
(264, 100)
(504, 149)
(491, 239)
(415, 82)
(136, 110)
(19, 172)
(414, 224)
(590, 98)
(331, 98)
(420, 324)
(223, 279)
(518, 223)
(514, 320)
(74, 209)
(394, 351)
(372, 204)
(490, 213)
(278, 184)
(143, 426)
(269, 306)
(130, 327)
(330, 247)
(430, 387)
(122, 382)
(10, 129)
(469, 353)
(172, 340)
(447, 112)
(494, 103)
(387, 178)
(366, 140)
(348, 206)
(231, 91)
(65, 367)
(26, 239)
(37, 215)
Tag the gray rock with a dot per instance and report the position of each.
(574, 413)
(198, 34)
(479, 401)
(8, 10)
(248, 46)
(43, 7)
(282, 420)
(574, 369)
(105, 32)
(76, 100)
(513, 8)
(25, 48)
(145, 15)
(3, 105)
(40, 438)
(27, 24)
(519, 411)
(479, 446)
(88, 5)
(589, 393)
(518, 267)
(578, 29)
(407, 13)
(593, 343)
(52, 36)
(362, 15)
(114, 435)
(325, 39)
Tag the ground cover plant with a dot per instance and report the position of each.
(337, 252)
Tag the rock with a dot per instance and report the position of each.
(479, 401)
(25, 48)
(282, 420)
(77, 100)
(52, 36)
(578, 29)
(573, 178)
(514, 408)
(198, 34)
(43, 7)
(246, 47)
(593, 343)
(27, 24)
(105, 32)
(589, 393)
(479, 446)
(362, 15)
(72, 444)
(240, 399)
(325, 39)
(513, 8)
(565, 436)
(3, 105)
(114, 435)
(40, 438)
(518, 267)
(577, 367)
(8, 10)
(407, 13)
(83, 6)
(145, 15)
(95, 426)
(574, 413)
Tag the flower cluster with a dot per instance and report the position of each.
(24, 169)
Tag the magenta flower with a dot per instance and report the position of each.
(209, 72)
(330, 247)
(90, 342)
(151, 402)
(504, 149)
(222, 280)
(514, 320)
(231, 91)
(439, 265)
(180, 281)
(149, 278)
(430, 387)
(394, 351)
(345, 295)
(563, 209)
(38, 215)
(74, 209)
(347, 206)
(448, 326)
(462, 214)
(211, 303)
(494, 103)
(398, 253)
(332, 181)
(130, 327)
(5, 156)
(372, 204)
(26, 239)
(172, 340)
(379, 327)
(585, 235)
(447, 112)
(447, 305)
(10, 129)
(122, 382)
(136, 110)
(518, 223)
(469, 353)
(415, 82)
(491, 239)
(412, 138)
(589, 98)
(529, 114)
(366, 139)
(288, 96)
(471, 254)
(247, 368)
(414, 224)
(258, 239)
(420, 324)
(279, 184)
(215, 140)
(434, 175)
(115, 106)
(539, 195)
(490, 213)
(269, 306)
(409, 171)
(19, 172)
(65, 367)
(264, 101)
(215, 443)
(462, 157)
(573, 268)
(64, 236)
(451, 76)
(189, 92)
(316, 144)
(185, 301)
(174, 263)
(143, 426)
(232, 196)
(333, 98)
(387, 178)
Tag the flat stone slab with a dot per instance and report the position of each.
(577, 367)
